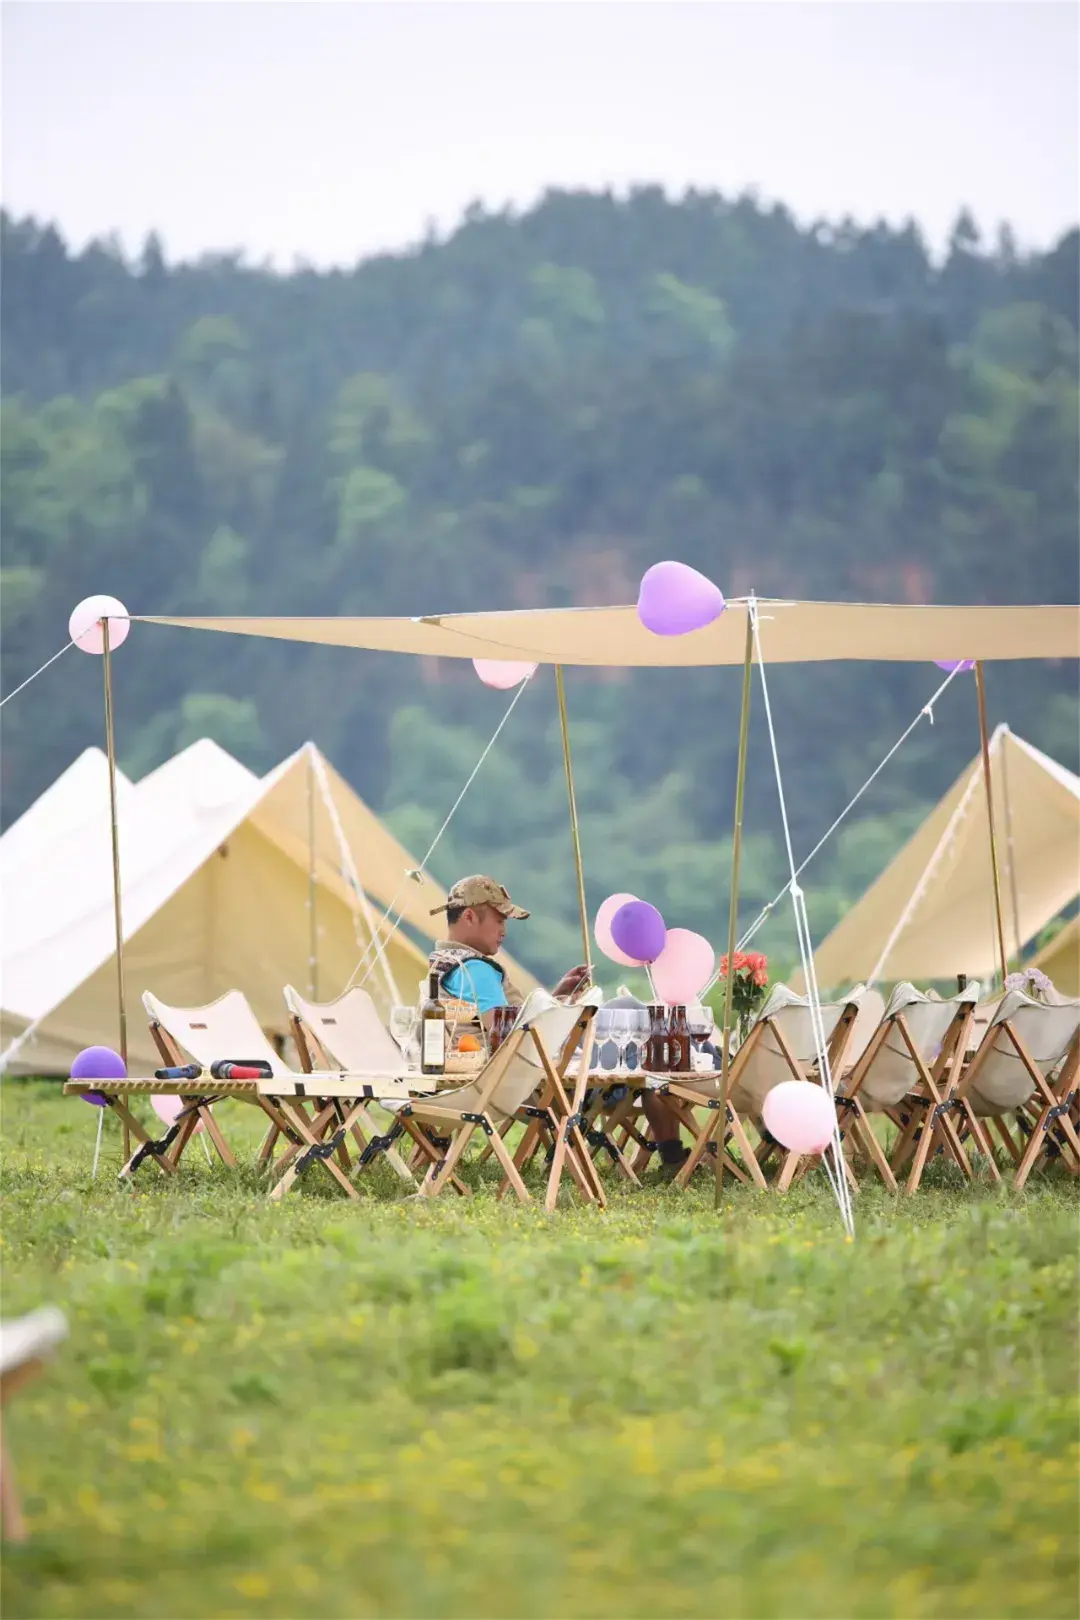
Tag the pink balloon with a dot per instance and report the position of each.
(84, 626)
(684, 967)
(502, 676)
(168, 1109)
(602, 929)
(801, 1115)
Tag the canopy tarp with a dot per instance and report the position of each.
(1060, 959)
(216, 880)
(791, 632)
(930, 915)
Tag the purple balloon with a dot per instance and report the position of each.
(674, 599)
(949, 664)
(638, 930)
(98, 1063)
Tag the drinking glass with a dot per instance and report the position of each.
(702, 1021)
(608, 1041)
(403, 1027)
(638, 1039)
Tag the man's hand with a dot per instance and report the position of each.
(571, 982)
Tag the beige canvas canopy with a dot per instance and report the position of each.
(791, 632)
(1060, 959)
(930, 915)
(223, 874)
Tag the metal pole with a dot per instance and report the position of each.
(313, 923)
(733, 904)
(980, 688)
(110, 750)
(561, 691)
(1010, 854)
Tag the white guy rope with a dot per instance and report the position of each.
(349, 867)
(97, 1144)
(417, 875)
(839, 1179)
(19, 1042)
(926, 712)
(9, 695)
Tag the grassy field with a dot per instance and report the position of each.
(475, 1410)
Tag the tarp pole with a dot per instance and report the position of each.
(313, 924)
(110, 751)
(1010, 849)
(733, 903)
(980, 687)
(574, 829)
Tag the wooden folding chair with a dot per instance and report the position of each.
(25, 1346)
(521, 1069)
(779, 1046)
(1028, 1061)
(223, 1029)
(349, 1034)
(908, 1072)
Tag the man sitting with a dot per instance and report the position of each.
(477, 911)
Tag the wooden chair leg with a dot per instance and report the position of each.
(12, 1523)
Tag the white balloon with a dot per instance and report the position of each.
(84, 626)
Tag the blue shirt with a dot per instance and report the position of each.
(477, 983)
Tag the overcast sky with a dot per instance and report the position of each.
(332, 130)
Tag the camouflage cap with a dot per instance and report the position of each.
(481, 891)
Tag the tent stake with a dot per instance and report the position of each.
(733, 904)
(110, 750)
(980, 688)
(575, 832)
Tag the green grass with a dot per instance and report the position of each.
(477, 1410)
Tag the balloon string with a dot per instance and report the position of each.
(37, 672)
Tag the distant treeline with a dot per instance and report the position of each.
(528, 413)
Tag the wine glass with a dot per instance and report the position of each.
(608, 1039)
(702, 1021)
(403, 1022)
(639, 1025)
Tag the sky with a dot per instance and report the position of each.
(330, 131)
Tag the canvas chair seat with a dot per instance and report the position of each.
(893, 1073)
(554, 1021)
(784, 1020)
(780, 1046)
(1001, 1081)
(538, 1048)
(223, 1029)
(228, 1029)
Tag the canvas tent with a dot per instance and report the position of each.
(930, 915)
(1060, 959)
(76, 796)
(218, 869)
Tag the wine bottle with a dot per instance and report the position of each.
(679, 1042)
(433, 1030)
(656, 1054)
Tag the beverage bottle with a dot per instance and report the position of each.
(679, 1041)
(433, 1031)
(656, 1055)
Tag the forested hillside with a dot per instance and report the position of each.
(531, 412)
